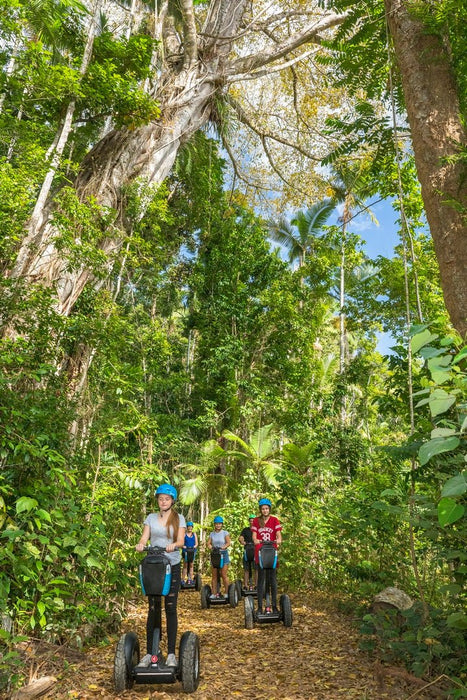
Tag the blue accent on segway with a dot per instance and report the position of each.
(155, 573)
(267, 557)
(217, 558)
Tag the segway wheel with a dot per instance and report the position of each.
(189, 661)
(198, 582)
(238, 583)
(205, 595)
(286, 610)
(248, 602)
(126, 658)
(233, 595)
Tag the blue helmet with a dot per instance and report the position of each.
(218, 519)
(189, 524)
(264, 502)
(167, 489)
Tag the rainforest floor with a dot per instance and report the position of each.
(318, 658)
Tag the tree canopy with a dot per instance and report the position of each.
(185, 297)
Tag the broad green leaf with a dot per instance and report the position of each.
(25, 504)
(460, 355)
(449, 511)
(442, 432)
(390, 492)
(41, 607)
(69, 541)
(456, 554)
(440, 401)
(438, 369)
(435, 447)
(92, 562)
(421, 392)
(443, 362)
(417, 328)
(451, 588)
(464, 425)
(457, 620)
(82, 551)
(32, 549)
(456, 486)
(421, 339)
(429, 351)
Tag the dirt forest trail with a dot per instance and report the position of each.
(318, 658)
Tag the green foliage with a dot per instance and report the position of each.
(427, 645)
(111, 86)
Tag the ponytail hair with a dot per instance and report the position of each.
(173, 523)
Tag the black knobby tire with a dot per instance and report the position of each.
(205, 594)
(238, 583)
(189, 661)
(249, 609)
(198, 582)
(286, 610)
(126, 657)
(233, 595)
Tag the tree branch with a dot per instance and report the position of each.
(276, 169)
(242, 116)
(190, 35)
(310, 34)
(274, 69)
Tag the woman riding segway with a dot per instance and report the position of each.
(220, 539)
(164, 529)
(266, 528)
(249, 567)
(189, 552)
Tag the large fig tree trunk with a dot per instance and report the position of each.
(120, 157)
(196, 68)
(438, 135)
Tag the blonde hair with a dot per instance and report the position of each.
(173, 523)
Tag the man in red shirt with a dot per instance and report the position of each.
(266, 528)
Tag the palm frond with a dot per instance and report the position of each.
(262, 441)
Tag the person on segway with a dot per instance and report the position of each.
(164, 529)
(191, 543)
(246, 540)
(220, 538)
(266, 528)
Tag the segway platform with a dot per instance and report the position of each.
(156, 672)
(267, 616)
(127, 672)
(209, 599)
(194, 585)
(243, 592)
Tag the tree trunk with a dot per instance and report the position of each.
(120, 157)
(433, 111)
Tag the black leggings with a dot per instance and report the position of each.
(154, 620)
(262, 583)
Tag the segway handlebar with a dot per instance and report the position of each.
(156, 550)
(268, 542)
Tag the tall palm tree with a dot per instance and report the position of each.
(351, 188)
(298, 234)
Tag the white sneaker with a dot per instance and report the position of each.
(171, 660)
(145, 661)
